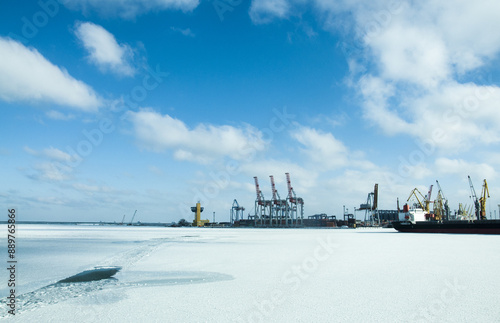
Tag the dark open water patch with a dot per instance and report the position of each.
(98, 273)
(92, 281)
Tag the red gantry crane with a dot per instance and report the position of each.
(296, 204)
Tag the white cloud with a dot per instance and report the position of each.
(453, 117)
(322, 148)
(55, 168)
(418, 51)
(56, 115)
(447, 35)
(410, 62)
(327, 152)
(264, 11)
(104, 50)
(25, 75)
(202, 144)
(410, 53)
(129, 9)
(51, 153)
(461, 167)
(186, 31)
(51, 171)
(376, 93)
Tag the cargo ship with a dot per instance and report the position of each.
(419, 217)
(452, 226)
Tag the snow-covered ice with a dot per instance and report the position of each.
(253, 275)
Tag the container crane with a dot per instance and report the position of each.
(260, 196)
(273, 188)
(291, 193)
(296, 208)
(261, 205)
(236, 212)
(279, 207)
(275, 209)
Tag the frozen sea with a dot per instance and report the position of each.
(253, 275)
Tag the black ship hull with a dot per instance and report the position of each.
(475, 227)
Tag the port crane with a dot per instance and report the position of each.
(131, 221)
(371, 207)
(416, 193)
(279, 207)
(423, 205)
(485, 194)
(441, 207)
(261, 205)
(480, 203)
(236, 212)
(428, 199)
(423, 201)
(296, 204)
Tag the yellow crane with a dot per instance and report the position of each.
(480, 203)
(426, 200)
(485, 193)
(441, 207)
(414, 193)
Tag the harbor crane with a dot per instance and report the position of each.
(370, 207)
(441, 207)
(485, 194)
(236, 212)
(423, 201)
(296, 203)
(414, 193)
(260, 204)
(131, 221)
(279, 206)
(428, 199)
(479, 203)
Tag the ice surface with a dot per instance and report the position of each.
(254, 275)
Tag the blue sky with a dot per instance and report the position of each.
(153, 105)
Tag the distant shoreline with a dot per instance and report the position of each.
(93, 223)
